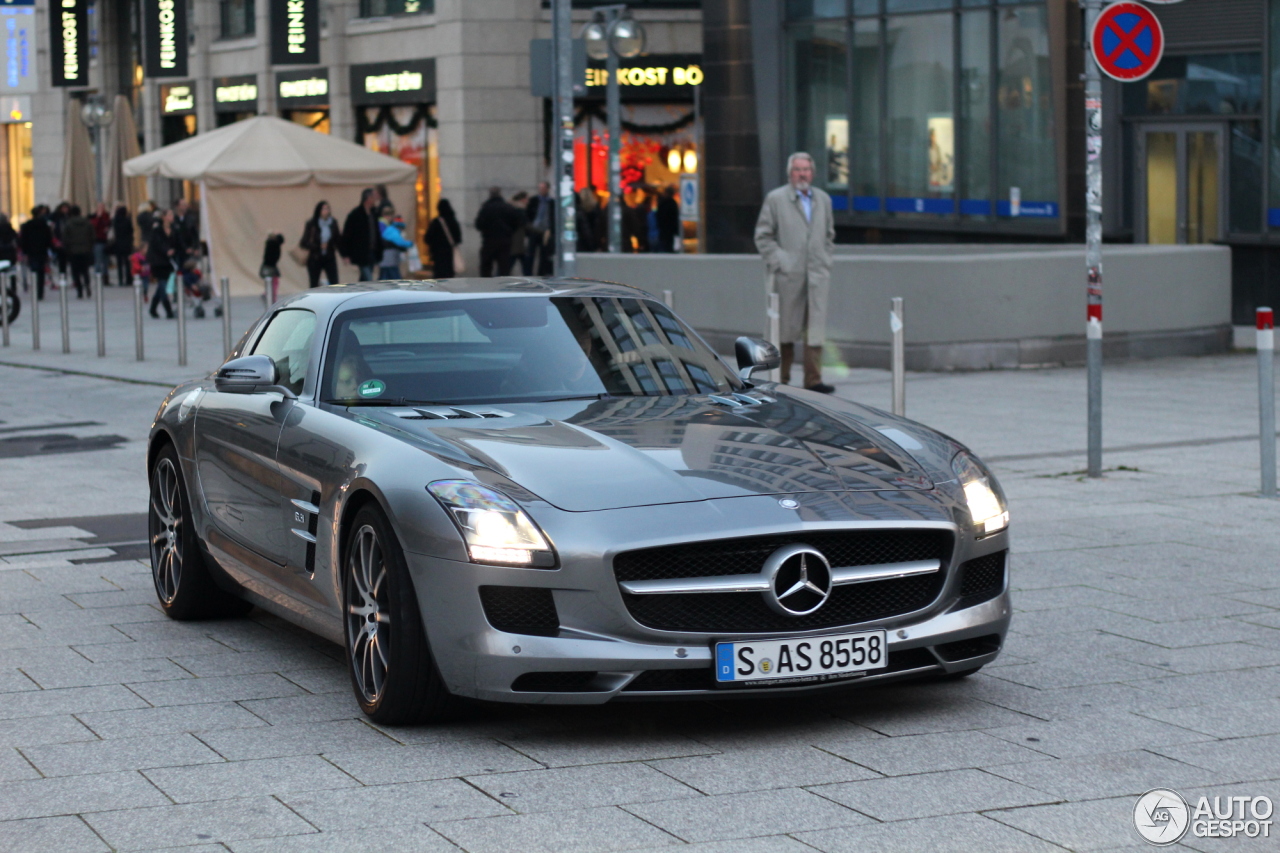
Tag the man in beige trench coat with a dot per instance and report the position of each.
(795, 235)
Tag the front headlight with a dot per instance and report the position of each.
(986, 506)
(495, 528)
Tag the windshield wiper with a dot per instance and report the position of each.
(602, 396)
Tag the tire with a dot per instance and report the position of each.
(182, 580)
(12, 304)
(393, 675)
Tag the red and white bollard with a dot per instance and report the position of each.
(1267, 399)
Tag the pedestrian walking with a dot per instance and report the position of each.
(497, 222)
(270, 269)
(320, 241)
(361, 242)
(146, 220)
(77, 243)
(35, 239)
(8, 240)
(164, 259)
(519, 236)
(101, 221)
(394, 244)
(795, 235)
(443, 237)
(668, 216)
(540, 216)
(56, 220)
(186, 223)
(121, 245)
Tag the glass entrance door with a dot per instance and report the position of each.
(1181, 193)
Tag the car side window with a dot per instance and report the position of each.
(287, 340)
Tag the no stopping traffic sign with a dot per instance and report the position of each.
(1127, 41)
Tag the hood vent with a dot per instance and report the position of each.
(738, 401)
(451, 413)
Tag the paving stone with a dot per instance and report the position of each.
(1215, 658)
(411, 802)
(240, 779)
(1240, 759)
(330, 679)
(1227, 686)
(950, 834)
(307, 708)
(75, 759)
(785, 811)
(76, 794)
(605, 747)
(70, 700)
(1110, 775)
(85, 674)
(149, 722)
(274, 741)
(130, 650)
(177, 825)
(33, 731)
(926, 753)
(246, 663)
(423, 762)
(568, 788)
(764, 769)
(930, 794)
(115, 597)
(16, 681)
(50, 835)
(55, 620)
(13, 766)
(582, 831)
(762, 844)
(1178, 635)
(1224, 720)
(409, 838)
(1093, 825)
(1076, 672)
(196, 691)
(1096, 734)
(913, 715)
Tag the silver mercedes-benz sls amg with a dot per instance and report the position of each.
(555, 491)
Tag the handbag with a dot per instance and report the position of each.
(459, 263)
(299, 255)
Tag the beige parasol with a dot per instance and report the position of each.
(79, 180)
(122, 144)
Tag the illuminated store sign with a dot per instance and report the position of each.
(69, 37)
(295, 32)
(235, 94)
(178, 99)
(17, 52)
(649, 75)
(657, 77)
(165, 38)
(303, 88)
(409, 82)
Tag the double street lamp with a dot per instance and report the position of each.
(613, 35)
(96, 115)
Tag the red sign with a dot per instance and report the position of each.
(1127, 41)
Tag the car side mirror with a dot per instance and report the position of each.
(754, 354)
(250, 374)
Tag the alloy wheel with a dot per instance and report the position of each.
(166, 530)
(368, 615)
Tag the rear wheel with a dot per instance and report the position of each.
(182, 580)
(395, 679)
(12, 304)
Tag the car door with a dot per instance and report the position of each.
(237, 436)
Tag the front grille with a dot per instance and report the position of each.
(981, 579)
(668, 680)
(520, 610)
(747, 556)
(971, 648)
(554, 682)
(736, 613)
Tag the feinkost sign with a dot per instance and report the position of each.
(165, 37)
(295, 32)
(69, 42)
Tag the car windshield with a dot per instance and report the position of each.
(517, 348)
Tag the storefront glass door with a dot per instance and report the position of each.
(1182, 193)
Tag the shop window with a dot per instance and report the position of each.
(864, 170)
(920, 114)
(916, 5)
(386, 8)
(1024, 100)
(1273, 112)
(818, 112)
(1245, 176)
(800, 9)
(974, 132)
(316, 119)
(408, 133)
(236, 18)
(1208, 84)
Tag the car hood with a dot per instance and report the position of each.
(641, 451)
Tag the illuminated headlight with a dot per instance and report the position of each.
(986, 505)
(496, 530)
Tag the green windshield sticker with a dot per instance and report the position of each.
(372, 388)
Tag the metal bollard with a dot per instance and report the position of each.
(668, 299)
(224, 288)
(1267, 399)
(775, 332)
(35, 317)
(99, 280)
(66, 317)
(180, 292)
(137, 317)
(267, 295)
(4, 303)
(899, 359)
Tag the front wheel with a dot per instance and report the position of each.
(182, 580)
(395, 679)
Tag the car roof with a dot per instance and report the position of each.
(334, 297)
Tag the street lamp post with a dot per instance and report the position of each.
(612, 35)
(96, 116)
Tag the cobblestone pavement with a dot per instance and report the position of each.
(1145, 652)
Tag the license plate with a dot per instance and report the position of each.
(812, 659)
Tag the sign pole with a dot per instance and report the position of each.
(1093, 237)
(562, 150)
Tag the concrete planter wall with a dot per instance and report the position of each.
(967, 307)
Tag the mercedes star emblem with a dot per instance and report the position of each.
(799, 580)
